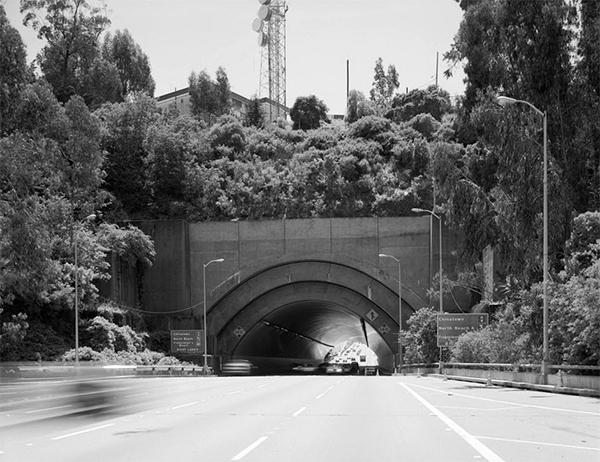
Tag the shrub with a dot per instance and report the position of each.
(39, 339)
(100, 334)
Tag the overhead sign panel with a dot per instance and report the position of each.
(187, 341)
(452, 326)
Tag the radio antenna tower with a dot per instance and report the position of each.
(270, 26)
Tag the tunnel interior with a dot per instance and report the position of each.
(308, 330)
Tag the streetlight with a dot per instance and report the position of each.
(218, 260)
(507, 101)
(430, 212)
(433, 214)
(400, 360)
(91, 217)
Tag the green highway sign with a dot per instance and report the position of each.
(187, 341)
(452, 326)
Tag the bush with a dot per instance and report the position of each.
(85, 354)
(39, 339)
(420, 341)
(160, 341)
(473, 347)
(108, 356)
(100, 334)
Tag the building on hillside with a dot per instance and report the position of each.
(239, 104)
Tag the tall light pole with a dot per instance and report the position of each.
(400, 359)
(76, 277)
(507, 101)
(433, 214)
(218, 260)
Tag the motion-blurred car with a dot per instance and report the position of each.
(305, 369)
(237, 367)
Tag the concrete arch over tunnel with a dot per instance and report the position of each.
(301, 308)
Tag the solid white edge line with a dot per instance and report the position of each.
(298, 411)
(249, 448)
(481, 448)
(82, 431)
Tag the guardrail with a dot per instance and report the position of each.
(172, 370)
(573, 379)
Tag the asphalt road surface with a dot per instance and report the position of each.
(302, 418)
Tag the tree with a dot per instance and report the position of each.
(71, 29)
(101, 84)
(358, 106)
(222, 92)
(207, 97)
(255, 115)
(14, 72)
(420, 340)
(132, 64)
(50, 179)
(433, 101)
(384, 85)
(308, 112)
(540, 52)
(125, 126)
(172, 146)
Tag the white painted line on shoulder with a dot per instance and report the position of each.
(510, 403)
(249, 448)
(298, 411)
(538, 443)
(481, 448)
(82, 431)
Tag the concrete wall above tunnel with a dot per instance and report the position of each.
(334, 262)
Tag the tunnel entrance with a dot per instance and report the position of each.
(298, 311)
(307, 331)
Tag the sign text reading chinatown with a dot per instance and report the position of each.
(187, 341)
(452, 326)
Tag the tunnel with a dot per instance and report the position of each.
(297, 311)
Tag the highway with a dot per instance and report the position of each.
(295, 418)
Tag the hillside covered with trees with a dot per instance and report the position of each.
(84, 149)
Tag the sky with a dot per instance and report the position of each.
(181, 36)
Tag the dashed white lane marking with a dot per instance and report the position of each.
(82, 431)
(537, 443)
(234, 392)
(298, 411)
(185, 405)
(470, 439)
(137, 394)
(249, 448)
(323, 394)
